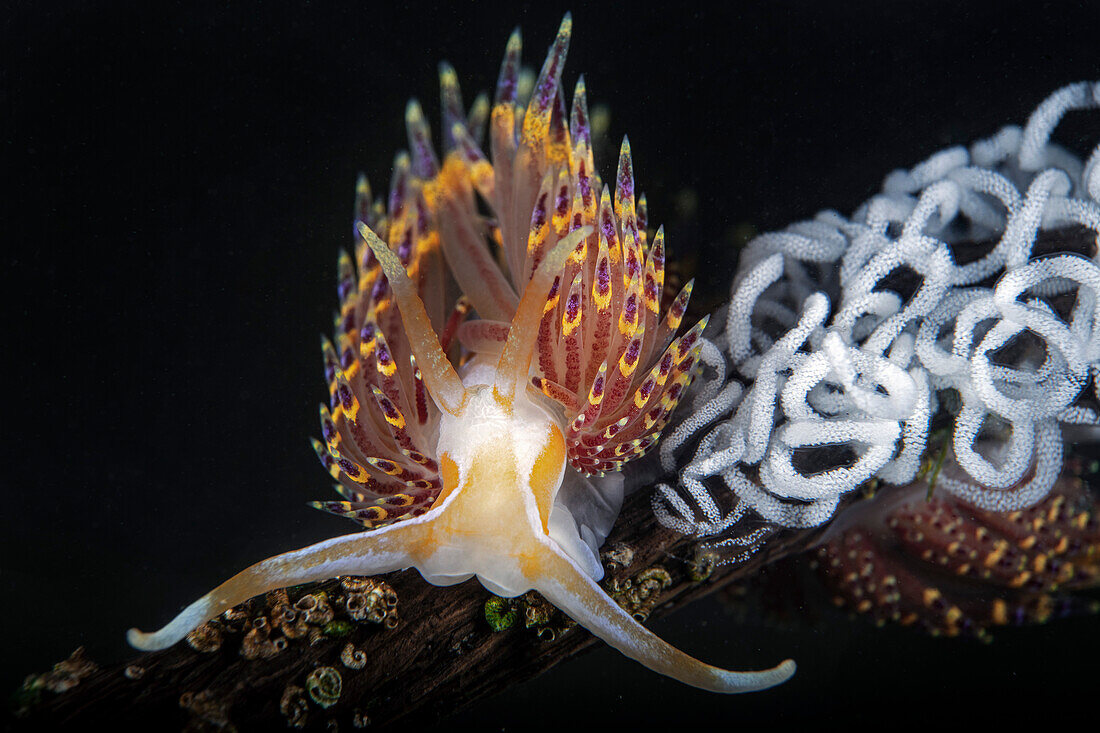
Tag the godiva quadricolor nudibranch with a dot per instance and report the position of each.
(506, 468)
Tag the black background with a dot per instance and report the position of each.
(179, 179)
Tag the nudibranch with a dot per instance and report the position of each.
(507, 467)
(940, 564)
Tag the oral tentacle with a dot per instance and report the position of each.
(361, 553)
(515, 361)
(586, 603)
(439, 374)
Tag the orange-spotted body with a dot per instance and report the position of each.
(508, 472)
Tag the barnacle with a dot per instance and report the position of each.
(847, 335)
(640, 594)
(353, 658)
(294, 705)
(206, 638)
(235, 619)
(500, 613)
(212, 712)
(537, 612)
(324, 685)
(282, 614)
(64, 676)
(257, 642)
(617, 556)
(371, 600)
(315, 608)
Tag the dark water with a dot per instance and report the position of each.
(180, 179)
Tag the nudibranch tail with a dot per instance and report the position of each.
(586, 603)
(382, 550)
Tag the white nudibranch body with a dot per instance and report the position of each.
(509, 473)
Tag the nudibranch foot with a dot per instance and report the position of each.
(586, 603)
(512, 562)
(380, 551)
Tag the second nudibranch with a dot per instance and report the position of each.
(509, 470)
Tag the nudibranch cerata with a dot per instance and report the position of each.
(506, 468)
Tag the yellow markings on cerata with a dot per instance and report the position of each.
(375, 514)
(384, 356)
(386, 466)
(561, 213)
(452, 180)
(628, 317)
(573, 313)
(552, 299)
(389, 410)
(346, 396)
(579, 255)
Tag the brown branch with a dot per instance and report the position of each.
(274, 660)
(442, 648)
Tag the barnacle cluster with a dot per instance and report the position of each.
(64, 676)
(294, 705)
(844, 337)
(208, 711)
(257, 642)
(539, 615)
(266, 631)
(371, 600)
(323, 687)
(206, 638)
(639, 595)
